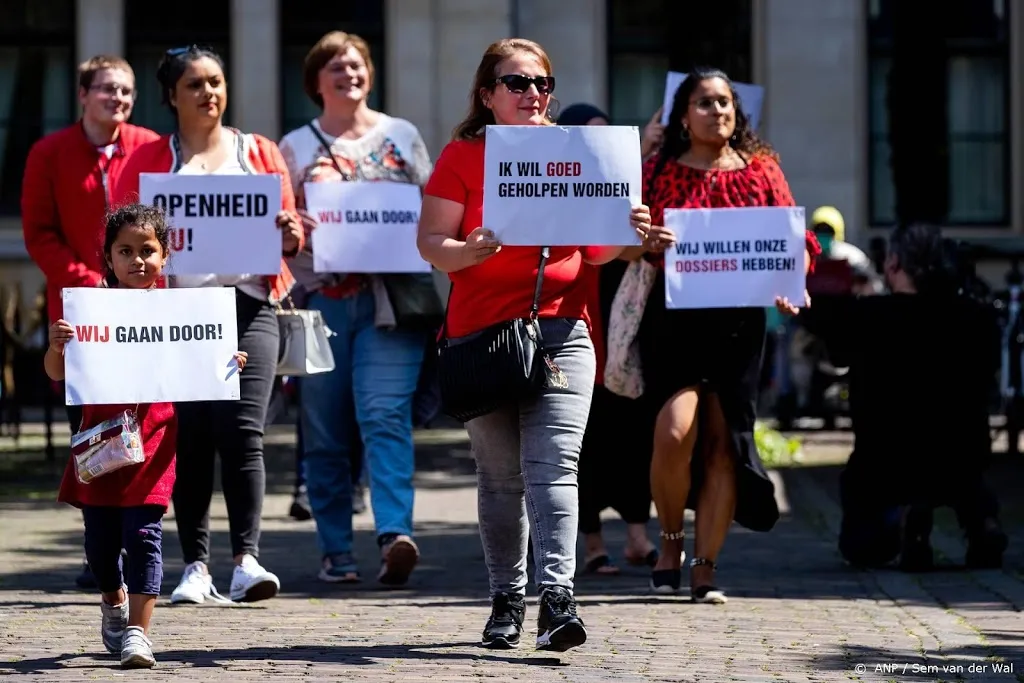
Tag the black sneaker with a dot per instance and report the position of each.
(558, 626)
(505, 624)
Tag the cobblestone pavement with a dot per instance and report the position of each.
(796, 613)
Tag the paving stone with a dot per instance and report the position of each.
(795, 613)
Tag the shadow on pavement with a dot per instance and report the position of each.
(175, 661)
(796, 560)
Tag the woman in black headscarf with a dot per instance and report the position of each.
(615, 461)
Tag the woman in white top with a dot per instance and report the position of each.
(378, 357)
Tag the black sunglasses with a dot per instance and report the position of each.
(518, 84)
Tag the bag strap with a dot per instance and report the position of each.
(545, 254)
(327, 147)
(659, 166)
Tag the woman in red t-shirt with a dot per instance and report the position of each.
(526, 452)
(702, 366)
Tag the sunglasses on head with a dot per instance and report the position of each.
(518, 84)
(178, 51)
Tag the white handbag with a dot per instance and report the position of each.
(305, 342)
(623, 374)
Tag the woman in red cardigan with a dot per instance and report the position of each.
(195, 89)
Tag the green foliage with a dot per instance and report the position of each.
(775, 449)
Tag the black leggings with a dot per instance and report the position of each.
(234, 429)
(615, 461)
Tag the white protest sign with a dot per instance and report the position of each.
(562, 185)
(220, 224)
(365, 227)
(751, 98)
(735, 258)
(150, 345)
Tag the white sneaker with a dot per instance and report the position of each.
(137, 650)
(113, 624)
(251, 582)
(195, 586)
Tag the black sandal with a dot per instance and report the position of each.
(707, 594)
(667, 581)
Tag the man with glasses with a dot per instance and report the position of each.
(66, 189)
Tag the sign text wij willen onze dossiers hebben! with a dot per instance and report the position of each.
(729, 255)
(553, 188)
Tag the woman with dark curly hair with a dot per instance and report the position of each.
(702, 366)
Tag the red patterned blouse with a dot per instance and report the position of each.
(677, 186)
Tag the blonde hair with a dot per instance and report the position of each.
(88, 69)
(479, 116)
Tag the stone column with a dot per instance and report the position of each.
(464, 29)
(255, 89)
(574, 34)
(99, 28)
(815, 112)
(410, 56)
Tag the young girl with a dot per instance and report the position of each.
(124, 508)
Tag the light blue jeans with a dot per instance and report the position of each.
(526, 462)
(376, 373)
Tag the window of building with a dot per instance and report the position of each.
(37, 83)
(939, 113)
(149, 35)
(647, 38)
(303, 23)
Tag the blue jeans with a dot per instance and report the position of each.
(377, 370)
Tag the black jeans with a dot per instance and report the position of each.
(870, 534)
(234, 429)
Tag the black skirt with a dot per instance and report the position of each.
(719, 351)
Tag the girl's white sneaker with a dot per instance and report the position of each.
(137, 649)
(115, 621)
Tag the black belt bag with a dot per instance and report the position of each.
(503, 363)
